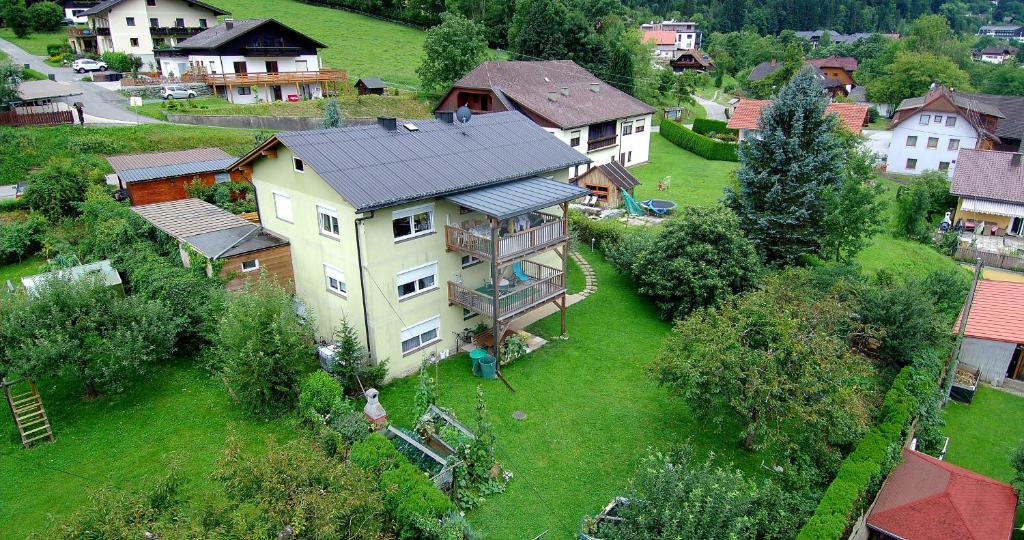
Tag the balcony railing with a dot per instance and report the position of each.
(175, 30)
(272, 51)
(597, 144)
(82, 31)
(513, 246)
(238, 79)
(545, 284)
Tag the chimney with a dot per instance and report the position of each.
(595, 87)
(552, 96)
(1015, 160)
(774, 61)
(447, 117)
(388, 122)
(565, 91)
(229, 23)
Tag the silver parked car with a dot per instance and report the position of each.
(177, 92)
(86, 64)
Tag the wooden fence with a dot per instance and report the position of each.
(988, 258)
(13, 118)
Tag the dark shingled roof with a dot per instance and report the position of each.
(1012, 107)
(213, 231)
(372, 82)
(372, 167)
(988, 174)
(764, 69)
(218, 35)
(616, 174)
(529, 83)
(967, 101)
(153, 165)
(512, 199)
(104, 6)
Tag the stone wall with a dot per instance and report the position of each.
(273, 123)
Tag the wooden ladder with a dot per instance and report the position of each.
(28, 412)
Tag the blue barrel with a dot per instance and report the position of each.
(476, 355)
(489, 367)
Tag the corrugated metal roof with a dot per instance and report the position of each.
(372, 167)
(372, 82)
(518, 197)
(156, 159)
(168, 171)
(103, 269)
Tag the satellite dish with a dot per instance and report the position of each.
(463, 114)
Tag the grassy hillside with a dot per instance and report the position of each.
(362, 45)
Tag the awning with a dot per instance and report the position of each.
(518, 197)
(992, 207)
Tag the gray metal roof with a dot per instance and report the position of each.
(104, 6)
(106, 273)
(372, 167)
(515, 198)
(218, 35)
(372, 82)
(33, 90)
(180, 169)
(213, 231)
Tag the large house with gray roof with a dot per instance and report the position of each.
(580, 109)
(416, 231)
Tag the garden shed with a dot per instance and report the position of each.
(607, 182)
(994, 337)
(371, 85)
(102, 269)
(155, 177)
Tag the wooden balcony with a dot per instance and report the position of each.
(597, 144)
(164, 31)
(477, 242)
(82, 31)
(545, 284)
(284, 77)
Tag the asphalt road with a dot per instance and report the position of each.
(100, 103)
(715, 111)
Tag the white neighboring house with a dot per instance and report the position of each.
(248, 61)
(138, 27)
(929, 131)
(73, 9)
(687, 36)
(585, 112)
(1006, 31)
(998, 55)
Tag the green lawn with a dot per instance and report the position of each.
(695, 180)
(405, 105)
(592, 412)
(362, 45)
(18, 270)
(902, 256)
(983, 434)
(36, 42)
(178, 414)
(575, 281)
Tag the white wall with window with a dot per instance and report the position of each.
(417, 280)
(251, 265)
(327, 217)
(421, 335)
(283, 207)
(929, 140)
(412, 222)
(633, 139)
(335, 280)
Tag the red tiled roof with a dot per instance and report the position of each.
(660, 37)
(996, 312)
(748, 112)
(928, 499)
(848, 63)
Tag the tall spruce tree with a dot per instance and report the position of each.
(797, 154)
(332, 114)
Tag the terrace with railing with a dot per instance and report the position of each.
(537, 231)
(84, 31)
(514, 297)
(284, 77)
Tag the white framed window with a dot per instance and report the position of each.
(298, 165)
(244, 91)
(283, 207)
(933, 142)
(335, 280)
(412, 222)
(912, 140)
(421, 334)
(328, 220)
(911, 163)
(937, 119)
(222, 177)
(574, 138)
(638, 126)
(627, 128)
(469, 260)
(129, 21)
(251, 266)
(950, 121)
(417, 280)
(925, 119)
(954, 144)
(943, 166)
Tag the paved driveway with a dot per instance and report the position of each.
(101, 104)
(715, 110)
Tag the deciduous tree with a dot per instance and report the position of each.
(451, 50)
(854, 209)
(539, 29)
(912, 74)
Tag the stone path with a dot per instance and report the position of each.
(548, 309)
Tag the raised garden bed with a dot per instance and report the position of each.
(965, 384)
(418, 453)
(442, 432)
(607, 518)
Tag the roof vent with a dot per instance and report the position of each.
(229, 23)
(411, 127)
(547, 79)
(1015, 160)
(552, 96)
(447, 117)
(565, 91)
(387, 122)
(595, 87)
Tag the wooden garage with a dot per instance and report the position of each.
(607, 182)
(219, 238)
(162, 176)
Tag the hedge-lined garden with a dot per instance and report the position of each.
(704, 126)
(705, 147)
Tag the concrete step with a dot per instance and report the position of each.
(1013, 385)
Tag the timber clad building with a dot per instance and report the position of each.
(162, 176)
(415, 231)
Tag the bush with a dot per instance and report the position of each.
(262, 347)
(318, 395)
(19, 203)
(902, 313)
(348, 422)
(20, 239)
(46, 16)
(16, 18)
(704, 126)
(352, 366)
(57, 189)
(57, 49)
(921, 204)
(375, 454)
(601, 233)
(123, 62)
(630, 254)
(413, 501)
(235, 197)
(704, 147)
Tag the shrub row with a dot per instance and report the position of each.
(412, 500)
(601, 233)
(704, 147)
(863, 471)
(707, 125)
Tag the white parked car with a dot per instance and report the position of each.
(177, 92)
(84, 64)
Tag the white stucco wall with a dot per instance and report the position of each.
(928, 158)
(635, 146)
(165, 11)
(226, 64)
(992, 357)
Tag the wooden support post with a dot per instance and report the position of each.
(495, 288)
(565, 260)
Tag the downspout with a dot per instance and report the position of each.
(362, 282)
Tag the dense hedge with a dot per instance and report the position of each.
(601, 233)
(704, 147)
(707, 125)
(864, 469)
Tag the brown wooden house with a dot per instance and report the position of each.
(607, 182)
(217, 237)
(692, 60)
(162, 176)
(371, 85)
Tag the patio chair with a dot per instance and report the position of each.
(520, 275)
